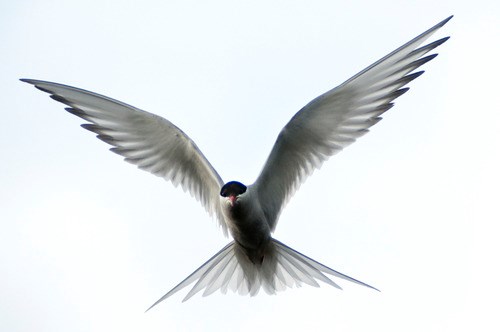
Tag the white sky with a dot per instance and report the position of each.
(88, 242)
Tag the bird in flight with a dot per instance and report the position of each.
(249, 213)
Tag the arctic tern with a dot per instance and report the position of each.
(327, 124)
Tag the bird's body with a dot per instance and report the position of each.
(323, 127)
(245, 219)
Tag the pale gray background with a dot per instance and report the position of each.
(88, 242)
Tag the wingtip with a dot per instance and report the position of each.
(36, 84)
(26, 80)
(378, 290)
(443, 40)
(443, 22)
(440, 24)
(154, 304)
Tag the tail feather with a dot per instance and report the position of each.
(225, 274)
(316, 266)
(198, 274)
(294, 272)
(211, 276)
(281, 268)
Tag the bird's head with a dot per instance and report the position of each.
(232, 190)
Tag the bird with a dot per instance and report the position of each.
(254, 259)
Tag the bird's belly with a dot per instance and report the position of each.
(250, 234)
(250, 230)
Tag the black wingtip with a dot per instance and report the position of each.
(442, 40)
(436, 43)
(34, 83)
(28, 80)
(56, 97)
(91, 127)
(443, 22)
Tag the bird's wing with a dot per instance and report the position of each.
(149, 141)
(336, 119)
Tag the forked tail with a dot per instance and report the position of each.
(281, 267)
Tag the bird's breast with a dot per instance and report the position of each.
(247, 224)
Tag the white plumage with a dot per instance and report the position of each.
(323, 127)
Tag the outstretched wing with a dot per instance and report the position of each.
(336, 119)
(151, 142)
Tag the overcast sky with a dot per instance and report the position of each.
(88, 242)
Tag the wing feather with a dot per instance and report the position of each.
(151, 142)
(336, 119)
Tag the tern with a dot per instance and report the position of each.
(249, 213)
